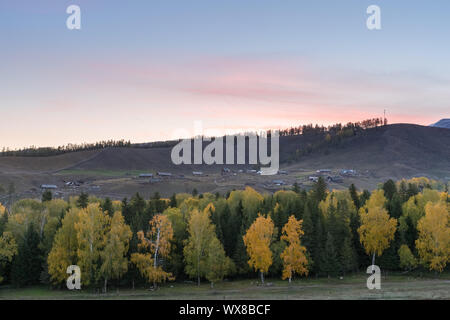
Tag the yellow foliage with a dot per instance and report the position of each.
(114, 259)
(157, 244)
(257, 241)
(8, 249)
(433, 243)
(407, 259)
(91, 228)
(414, 208)
(64, 250)
(377, 228)
(294, 255)
(196, 251)
(337, 196)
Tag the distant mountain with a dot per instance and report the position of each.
(443, 123)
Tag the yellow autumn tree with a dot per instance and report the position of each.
(91, 229)
(407, 259)
(196, 251)
(294, 255)
(64, 250)
(219, 265)
(114, 255)
(8, 249)
(156, 243)
(2, 210)
(377, 228)
(433, 244)
(257, 241)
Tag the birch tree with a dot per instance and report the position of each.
(201, 233)
(156, 244)
(257, 241)
(377, 228)
(294, 255)
(433, 243)
(114, 256)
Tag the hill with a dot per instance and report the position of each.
(394, 151)
(443, 123)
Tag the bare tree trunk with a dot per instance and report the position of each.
(262, 277)
(106, 286)
(198, 270)
(156, 250)
(373, 262)
(155, 260)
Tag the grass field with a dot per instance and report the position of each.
(353, 287)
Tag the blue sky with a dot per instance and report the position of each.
(230, 64)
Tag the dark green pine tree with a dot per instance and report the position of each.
(409, 235)
(308, 229)
(330, 264)
(216, 220)
(268, 204)
(319, 244)
(240, 253)
(394, 206)
(280, 218)
(240, 256)
(173, 201)
(348, 259)
(126, 211)
(228, 231)
(133, 213)
(320, 189)
(296, 188)
(364, 197)
(26, 267)
(157, 203)
(412, 190)
(83, 200)
(47, 196)
(361, 256)
(137, 211)
(390, 260)
(299, 205)
(107, 207)
(389, 189)
(403, 191)
(354, 194)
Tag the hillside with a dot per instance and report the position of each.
(397, 151)
(393, 151)
(443, 123)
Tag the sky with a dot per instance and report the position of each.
(146, 70)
